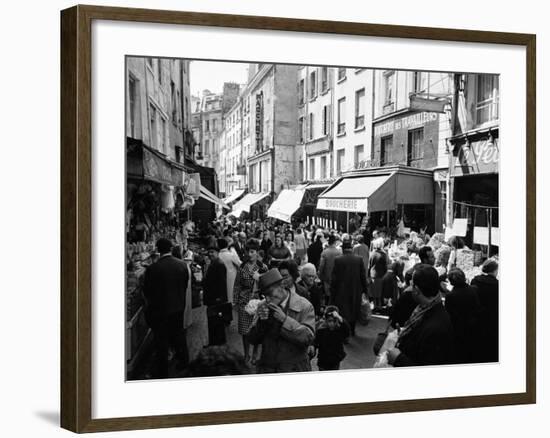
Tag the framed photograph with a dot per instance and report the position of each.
(319, 209)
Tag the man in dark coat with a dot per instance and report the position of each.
(214, 287)
(462, 305)
(487, 292)
(164, 287)
(427, 338)
(349, 282)
(314, 251)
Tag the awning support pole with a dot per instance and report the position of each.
(347, 221)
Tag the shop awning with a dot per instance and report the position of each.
(209, 196)
(378, 192)
(286, 204)
(246, 202)
(237, 193)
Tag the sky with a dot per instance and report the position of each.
(211, 75)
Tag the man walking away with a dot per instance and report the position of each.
(215, 297)
(164, 287)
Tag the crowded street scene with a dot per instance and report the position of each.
(308, 218)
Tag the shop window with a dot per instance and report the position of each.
(360, 108)
(386, 144)
(342, 115)
(487, 98)
(414, 146)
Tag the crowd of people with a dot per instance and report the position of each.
(297, 292)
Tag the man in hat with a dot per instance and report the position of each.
(349, 282)
(284, 325)
(164, 286)
(214, 286)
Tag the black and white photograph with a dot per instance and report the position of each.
(286, 218)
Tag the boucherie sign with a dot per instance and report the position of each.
(343, 204)
(477, 157)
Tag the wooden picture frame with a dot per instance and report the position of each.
(76, 217)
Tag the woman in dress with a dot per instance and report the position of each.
(245, 289)
(289, 243)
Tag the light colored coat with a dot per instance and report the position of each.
(232, 262)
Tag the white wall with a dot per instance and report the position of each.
(30, 220)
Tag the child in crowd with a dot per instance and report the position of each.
(331, 335)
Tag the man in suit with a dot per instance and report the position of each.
(214, 286)
(164, 288)
(349, 282)
(240, 245)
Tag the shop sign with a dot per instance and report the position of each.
(343, 204)
(158, 169)
(409, 122)
(479, 157)
(259, 120)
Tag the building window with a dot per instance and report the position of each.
(214, 125)
(324, 167)
(154, 129)
(326, 120)
(360, 108)
(159, 71)
(311, 130)
(386, 144)
(163, 146)
(487, 99)
(301, 170)
(341, 74)
(359, 155)
(419, 82)
(301, 129)
(312, 85)
(312, 169)
(340, 153)
(206, 147)
(388, 87)
(324, 79)
(207, 126)
(133, 98)
(342, 115)
(301, 92)
(414, 147)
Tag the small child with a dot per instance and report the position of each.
(331, 335)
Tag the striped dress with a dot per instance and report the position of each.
(243, 292)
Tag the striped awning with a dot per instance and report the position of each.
(209, 196)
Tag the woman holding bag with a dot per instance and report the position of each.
(246, 289)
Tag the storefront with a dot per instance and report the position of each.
(254, 205)
(380, 198)
(474, 187)
(287, 204)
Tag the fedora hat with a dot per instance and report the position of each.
(270, 278)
